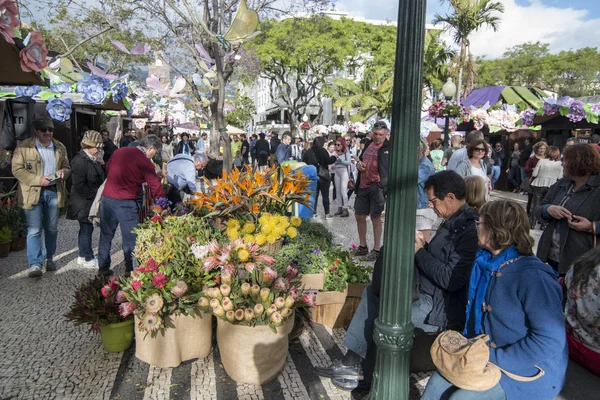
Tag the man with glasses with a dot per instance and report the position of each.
(127, 170)
(41, 166)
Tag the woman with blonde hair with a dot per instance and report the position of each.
(513, 298)
(476, 191)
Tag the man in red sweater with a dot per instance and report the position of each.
(128, 169)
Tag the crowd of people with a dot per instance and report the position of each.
(474, 262)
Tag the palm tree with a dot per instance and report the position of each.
(435, 62)
(466, 17)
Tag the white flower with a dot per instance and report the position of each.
(200, 251)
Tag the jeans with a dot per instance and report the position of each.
(439, 388)
(341, 186)
(84, 240)
(43, 216)
(514, 176)
(334, 189)
(115, 212)
(360, 332)
(323, 189)
(523, 174)
(495, 174)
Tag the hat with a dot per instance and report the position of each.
(381, 124)
(92, 139)
(43, 122)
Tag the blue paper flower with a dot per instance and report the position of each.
(61, 87)
(119, 91)
(94, 94)
(84, 84)
(59, 109)
(27, 91)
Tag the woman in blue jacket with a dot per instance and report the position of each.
(516, 300)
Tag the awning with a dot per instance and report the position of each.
(232, 130)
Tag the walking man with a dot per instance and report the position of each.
(41, 166)
(128, 168)
(109, 146)
(284, 150)
(372, 179)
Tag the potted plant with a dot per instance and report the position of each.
(99, 303)
(254, 306)
(5, 240)
(18, 226)
(163, 292)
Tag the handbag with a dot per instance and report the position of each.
(466, 362)
(322, 173)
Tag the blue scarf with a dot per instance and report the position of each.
(481, 273)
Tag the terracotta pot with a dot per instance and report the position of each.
(18, 243)
(5, 248)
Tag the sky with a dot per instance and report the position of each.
(563, 24)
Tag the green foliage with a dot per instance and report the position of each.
(358, 273)
(309, 258)
(243, 112)
(5, 234)
(436, 59)
(316, 233)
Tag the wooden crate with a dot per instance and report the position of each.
(329, 309)
(312, 281)
(356, 289)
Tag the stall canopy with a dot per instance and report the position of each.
(188, 125)
(232, 130)
(533, 97)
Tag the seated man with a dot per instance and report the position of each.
(443, 267)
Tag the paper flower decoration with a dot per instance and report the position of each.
(92, 80)
(61, 87)
(9, 19)
(94, 94)
(33, 56)
(527, 117)
(27, 91)
(59, 109)
(576, 111)
(119, 91)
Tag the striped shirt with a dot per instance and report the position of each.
(47, 155)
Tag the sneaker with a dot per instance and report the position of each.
(80, 260)
(35, 271)
(345, 213)
(329, 216)
(341, 371)
(50, 266)
(338, 212)
(345, 384)
(361, 251)
(372, 256)
(92, 264)
(105, 272)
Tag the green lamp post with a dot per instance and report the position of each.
(393, 329)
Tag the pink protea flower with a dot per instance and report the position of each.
(135, 285)
(226, 277)
(245, 288)
(281, 283)
(120, 297)
(279, 302)
(213, 246)
(265, 259)
(203, 302)
(269, 274)
(227, 304)
(219, 311)
(210, 263)
(248, 314)
(114, 285)
(225, 290)
(159, 280)
(272, 308)
(126, 308)
(154, 303)
(291, 272)
(151, 265)
(239, 314)
(9, 19)
(310, 299)
(286, 312)
(156, 218)
(106, 291)
(179, 289)
(289, 301)
(249, 266)
(294, 293)
(228, 269)
(33, 57)
(214, 303)
(276, 319)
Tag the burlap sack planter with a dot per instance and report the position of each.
(186, 338)
(253, 355)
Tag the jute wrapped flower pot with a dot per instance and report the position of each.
(186, 338)
(253, 354)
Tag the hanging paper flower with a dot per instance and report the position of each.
(61, 87)
(527, 117)
(27, 91)
(596, 108)
(59, 109)
(33, 56)
(576, 111)
(92, 80)
(9, 19)
(94, 94)
(119, 91)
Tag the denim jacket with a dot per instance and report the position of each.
(425, 171)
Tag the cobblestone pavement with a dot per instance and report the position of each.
(44, 356)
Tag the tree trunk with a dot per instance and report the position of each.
(460, 72)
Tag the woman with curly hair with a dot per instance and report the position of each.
(571, 209)
(515, 300)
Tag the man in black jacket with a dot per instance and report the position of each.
(442, 271)
(109, 146)
(371, 188)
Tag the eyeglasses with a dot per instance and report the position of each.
(479, 149)
(338, 144)
(46, 130)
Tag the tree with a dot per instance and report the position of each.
(436, 61)
(243, 111)
(466, 17)
(298, 55)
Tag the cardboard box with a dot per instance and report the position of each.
(313, 281)
(324, 298)
(356, 289)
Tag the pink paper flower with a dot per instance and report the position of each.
(9, 19)
(33, 57)
(135, 285)
(159, 280)
(126, 308)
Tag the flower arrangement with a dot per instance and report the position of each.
(9, 20)
(574, 110)
(442, 108)
(305, 126)
(268, 229)
(304, 255)
(251, 291)
(243, 195)
(97, 303)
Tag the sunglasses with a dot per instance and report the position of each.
(479, 149)
(46, 130)
(338, 144)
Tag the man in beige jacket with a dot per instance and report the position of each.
(41, 166)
